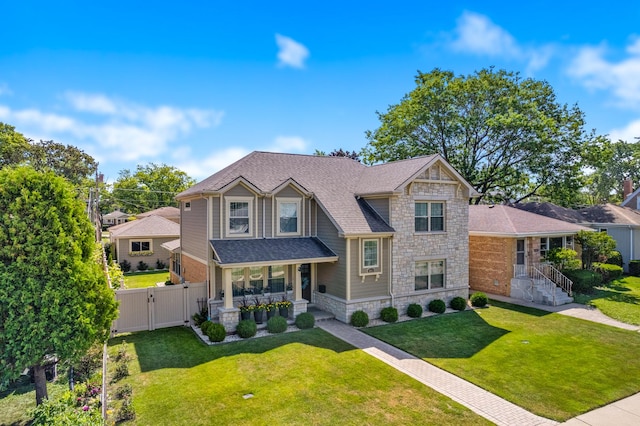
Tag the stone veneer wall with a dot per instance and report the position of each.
(491, 262)
(342, 309)
(451, 245)
(193, 270)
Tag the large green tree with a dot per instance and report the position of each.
(54, 297)
(507, 135)
(612, 163)
(150, 187)
(14, 147)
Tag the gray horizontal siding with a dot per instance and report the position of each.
(381, 206)
(370, 287)
(194, 229)
(332, 275)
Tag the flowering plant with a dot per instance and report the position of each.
(245, 306)
(258, 306)
(271, 305)
(284, 303)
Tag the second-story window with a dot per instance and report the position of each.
(239, 214)
(288, 216)
(370, 254)
(429, 216)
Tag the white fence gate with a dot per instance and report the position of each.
(157, 307)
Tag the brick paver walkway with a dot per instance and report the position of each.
(480, 401)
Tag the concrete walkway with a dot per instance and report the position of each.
(486, 404)
(490, 406)
(576, 310)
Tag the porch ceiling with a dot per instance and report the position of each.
(271, 251)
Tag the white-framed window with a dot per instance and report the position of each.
(549, 243)
(429, 275)
(429, 216)
(187, 206)
(258, 280)
(140, 247)
(288, 216)
(370, 254)
(239, 216)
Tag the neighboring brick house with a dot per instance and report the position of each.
(142, 240)
(621, 223)
(504, 242)
(330, 230)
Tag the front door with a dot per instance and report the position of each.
(520, 258)
(305, 275)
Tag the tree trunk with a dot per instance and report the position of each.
(41, 384)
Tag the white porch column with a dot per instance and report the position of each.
(228, 291)
(297, 283)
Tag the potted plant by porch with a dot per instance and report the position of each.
(245, 309)
(271, 308)
(258, 311)
(283, 306)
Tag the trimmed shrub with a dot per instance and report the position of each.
(125, 265)
(615, 258)
(359, 319)
(479, 299)
(305, 320)
(247, 328)
(609, 272)
(458, 303)
(160, 264)
(215, 332)
(414, 310)
(389, 314)
(634, 268)
(583, 280)
(142, 266)
(277, 324)
(438, 306)
(123, 392)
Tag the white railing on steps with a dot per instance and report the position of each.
(548, 274)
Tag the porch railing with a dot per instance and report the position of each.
(547, 273)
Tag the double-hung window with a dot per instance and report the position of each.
(429, 216)
(288, 216)
(370, 254)
(239, 215)
(429, 274)
(140, 246)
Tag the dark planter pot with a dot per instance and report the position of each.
(284, 312)
(271, 314)
(245, 315)
(259, 316)
(322, 288)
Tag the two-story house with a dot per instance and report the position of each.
(329, 231)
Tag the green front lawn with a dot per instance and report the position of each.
(145, 279)
(619, 300)
(305, 377)
(552, 365)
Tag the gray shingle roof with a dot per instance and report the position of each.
(151, 226)
(334, 181)
(270, 250)
(600, 214)
(509, 221)
(167, 212)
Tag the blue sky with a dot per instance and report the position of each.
(197, 85)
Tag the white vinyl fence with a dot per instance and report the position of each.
(157, 307)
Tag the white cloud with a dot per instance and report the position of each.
(288, 144)
(116, 129)
(628, 133)
(201, 168)
(477, 34)
(291, 53)
(594, 71)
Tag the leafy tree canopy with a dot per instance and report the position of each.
(596, 247)
(339, 153)
(150, 187)
(65, 160)
(55, 300)
(506, 135)
(612, 163)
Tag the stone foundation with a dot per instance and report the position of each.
(229, 318)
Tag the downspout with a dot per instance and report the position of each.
(393, 304)
(263, 211)
(630, 248)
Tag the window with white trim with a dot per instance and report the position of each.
(239, 216)
(550, 243)
(370, 254)
(429, 216)
(187, 206)
(139, 247)
(429, 274)
(288, 216)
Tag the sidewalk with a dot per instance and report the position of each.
(484, 403)
(576, 310)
